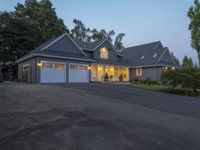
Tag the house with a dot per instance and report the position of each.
(66, 60)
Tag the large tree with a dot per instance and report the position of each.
(118, 42)
(194, 15)
(28, 26)
(187, 62)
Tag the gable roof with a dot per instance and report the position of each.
(57, 46)
(150, 54)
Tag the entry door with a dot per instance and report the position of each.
(78, 73)
(53, 72)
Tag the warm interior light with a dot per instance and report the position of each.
(39, 64)
(89, 68)
(99, 67)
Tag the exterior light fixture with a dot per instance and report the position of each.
(89, 68)
(173, 68)
(39, 64)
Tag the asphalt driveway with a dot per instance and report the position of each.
(95, 117)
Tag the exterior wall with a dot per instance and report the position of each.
(58, 60)
(28, 76)
(154, 73)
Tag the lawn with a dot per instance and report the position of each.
(165, 89)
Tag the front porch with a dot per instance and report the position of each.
(98, 72)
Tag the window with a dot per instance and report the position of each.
(138, 72)
(73, 67)
(59, 66)
(83, 67)
(47, 65)
(104, 53)
(142, 57)
(154, 56)
(26, 67)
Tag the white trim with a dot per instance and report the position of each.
(54, 41)
(157, 45)
(162, 54)
(25, 66)
(99, 44)
(76, 45)
(52, 56)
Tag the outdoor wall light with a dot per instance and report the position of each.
(39, 64)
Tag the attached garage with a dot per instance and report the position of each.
(53, 72)
(78, 73)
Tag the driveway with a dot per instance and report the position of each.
(95, 117)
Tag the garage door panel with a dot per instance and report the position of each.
(78, 73)
(53, 73)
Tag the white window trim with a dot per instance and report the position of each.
(26, 66)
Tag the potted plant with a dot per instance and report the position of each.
(111, 77)
(121, 78)
(106, 77)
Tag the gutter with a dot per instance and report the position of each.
(52, 56)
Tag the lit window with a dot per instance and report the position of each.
(104, 53)
(59, 66)
(142, 57)
(47, 65)
(154, 56)
(138, 72)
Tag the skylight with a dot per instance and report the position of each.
(154, 56)
(142, 57)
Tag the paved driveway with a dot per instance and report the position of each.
(95, 117)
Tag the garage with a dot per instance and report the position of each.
(53, 72)
(78, 73)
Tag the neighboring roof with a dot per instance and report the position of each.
(149, 54)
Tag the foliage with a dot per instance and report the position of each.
(118, 42)
(194, 15)
(30, 25)
(148, 81)
(106, 77)
(175, 58)
(186, 78)
(121, 78)
(187, 62)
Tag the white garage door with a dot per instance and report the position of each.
(53, 72)
(78, 73)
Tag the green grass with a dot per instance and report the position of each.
(165, 89)
(150, 87)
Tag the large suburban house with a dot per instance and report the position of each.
(66, 60)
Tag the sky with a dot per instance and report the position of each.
(142, 21)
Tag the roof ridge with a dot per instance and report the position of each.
(143, 44)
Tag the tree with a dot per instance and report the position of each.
(118, 42)
(187, 62)
(102, 34)
(80, 32)
(43, 16)
(175, 58)
(186, 78)
(194, 15)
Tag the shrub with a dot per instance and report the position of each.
(185, 77)
(121, 78)
(106, 77)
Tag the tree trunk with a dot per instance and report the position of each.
(199, 58)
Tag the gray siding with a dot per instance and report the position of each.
(153, 73)
(27, 76)
(65, 45)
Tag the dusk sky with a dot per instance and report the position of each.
(141, 21)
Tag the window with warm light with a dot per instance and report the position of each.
(104, 53)
(138, 72)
